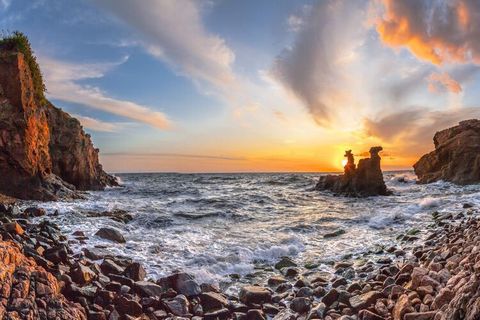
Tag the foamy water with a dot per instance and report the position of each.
(219, 225)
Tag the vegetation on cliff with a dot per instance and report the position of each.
(17, 41)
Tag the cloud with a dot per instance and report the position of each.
(172, 30)
(4, 4)
(411, 133)
(97, 125)
(314, 69)
(175, 155)
(437, 81)
(435, 31)
(62, 81)
(294, 22)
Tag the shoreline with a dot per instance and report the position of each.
(410, 286)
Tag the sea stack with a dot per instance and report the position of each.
(456, 157)
(44, 152)
(363, 180)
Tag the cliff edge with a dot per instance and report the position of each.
(456, 157)
(44, 152)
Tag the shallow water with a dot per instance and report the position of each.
(215, 225)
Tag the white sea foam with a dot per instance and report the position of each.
(215, 225)
(429, 202)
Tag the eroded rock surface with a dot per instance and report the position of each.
(456, 157)
(44, 152)
(366, 179)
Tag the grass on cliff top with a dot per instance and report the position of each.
(17, 41)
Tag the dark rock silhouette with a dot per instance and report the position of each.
(44, 152)
(363, 180)
(456, 157)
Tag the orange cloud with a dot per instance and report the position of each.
(438, 80)
(434, 31)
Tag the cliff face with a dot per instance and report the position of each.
(456, 157)
(44, 152)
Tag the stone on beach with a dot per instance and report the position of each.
(110, 234)
(255, 295)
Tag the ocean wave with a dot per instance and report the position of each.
(429, 202)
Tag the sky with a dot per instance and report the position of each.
(248, 86)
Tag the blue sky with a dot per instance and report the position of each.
(278, 85)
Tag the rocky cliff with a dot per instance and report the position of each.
(44, 153)
(456, 157)
(363, 180)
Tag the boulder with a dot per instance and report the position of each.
(110, 234)
(135, 271)
(254, 295)
(456, 157)
(148, 289)
(363, 180)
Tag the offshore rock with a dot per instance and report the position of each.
(456, 157)
(44, 152)
(363, 180)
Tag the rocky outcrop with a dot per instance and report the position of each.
(456, 157)
(30, 292)
(44, 153)
(366, 179)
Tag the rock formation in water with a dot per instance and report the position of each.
(44, 152)
(456, 157)
(363, 180)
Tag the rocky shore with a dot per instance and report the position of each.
(435, 277)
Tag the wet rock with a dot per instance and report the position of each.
(276, 280)
(255, 314)
(285, 314)
(135, 271)
(333, 234)
(110, 234)
(109, 266)
(305, 292)
(402, 307)
(369, 315)
(285, 262)
(82, 274)
(34, 212)
(428, 315)
(330, 297)
(443, 297)
(14, 228)
(212, 301)
(364, 300)
(96, 253)
(254, 295)
(178, 306)
(128, 306)
(148, 289)
(300, 304)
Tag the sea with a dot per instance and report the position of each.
(232, 228)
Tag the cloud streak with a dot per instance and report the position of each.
(435, 31)
(316, 64)
(172, 30)
(437, 81)
(411, 132)
(97, 125)
(62, 80)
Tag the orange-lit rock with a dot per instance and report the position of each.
(23, 284)
(456, 157)
(41, 147)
